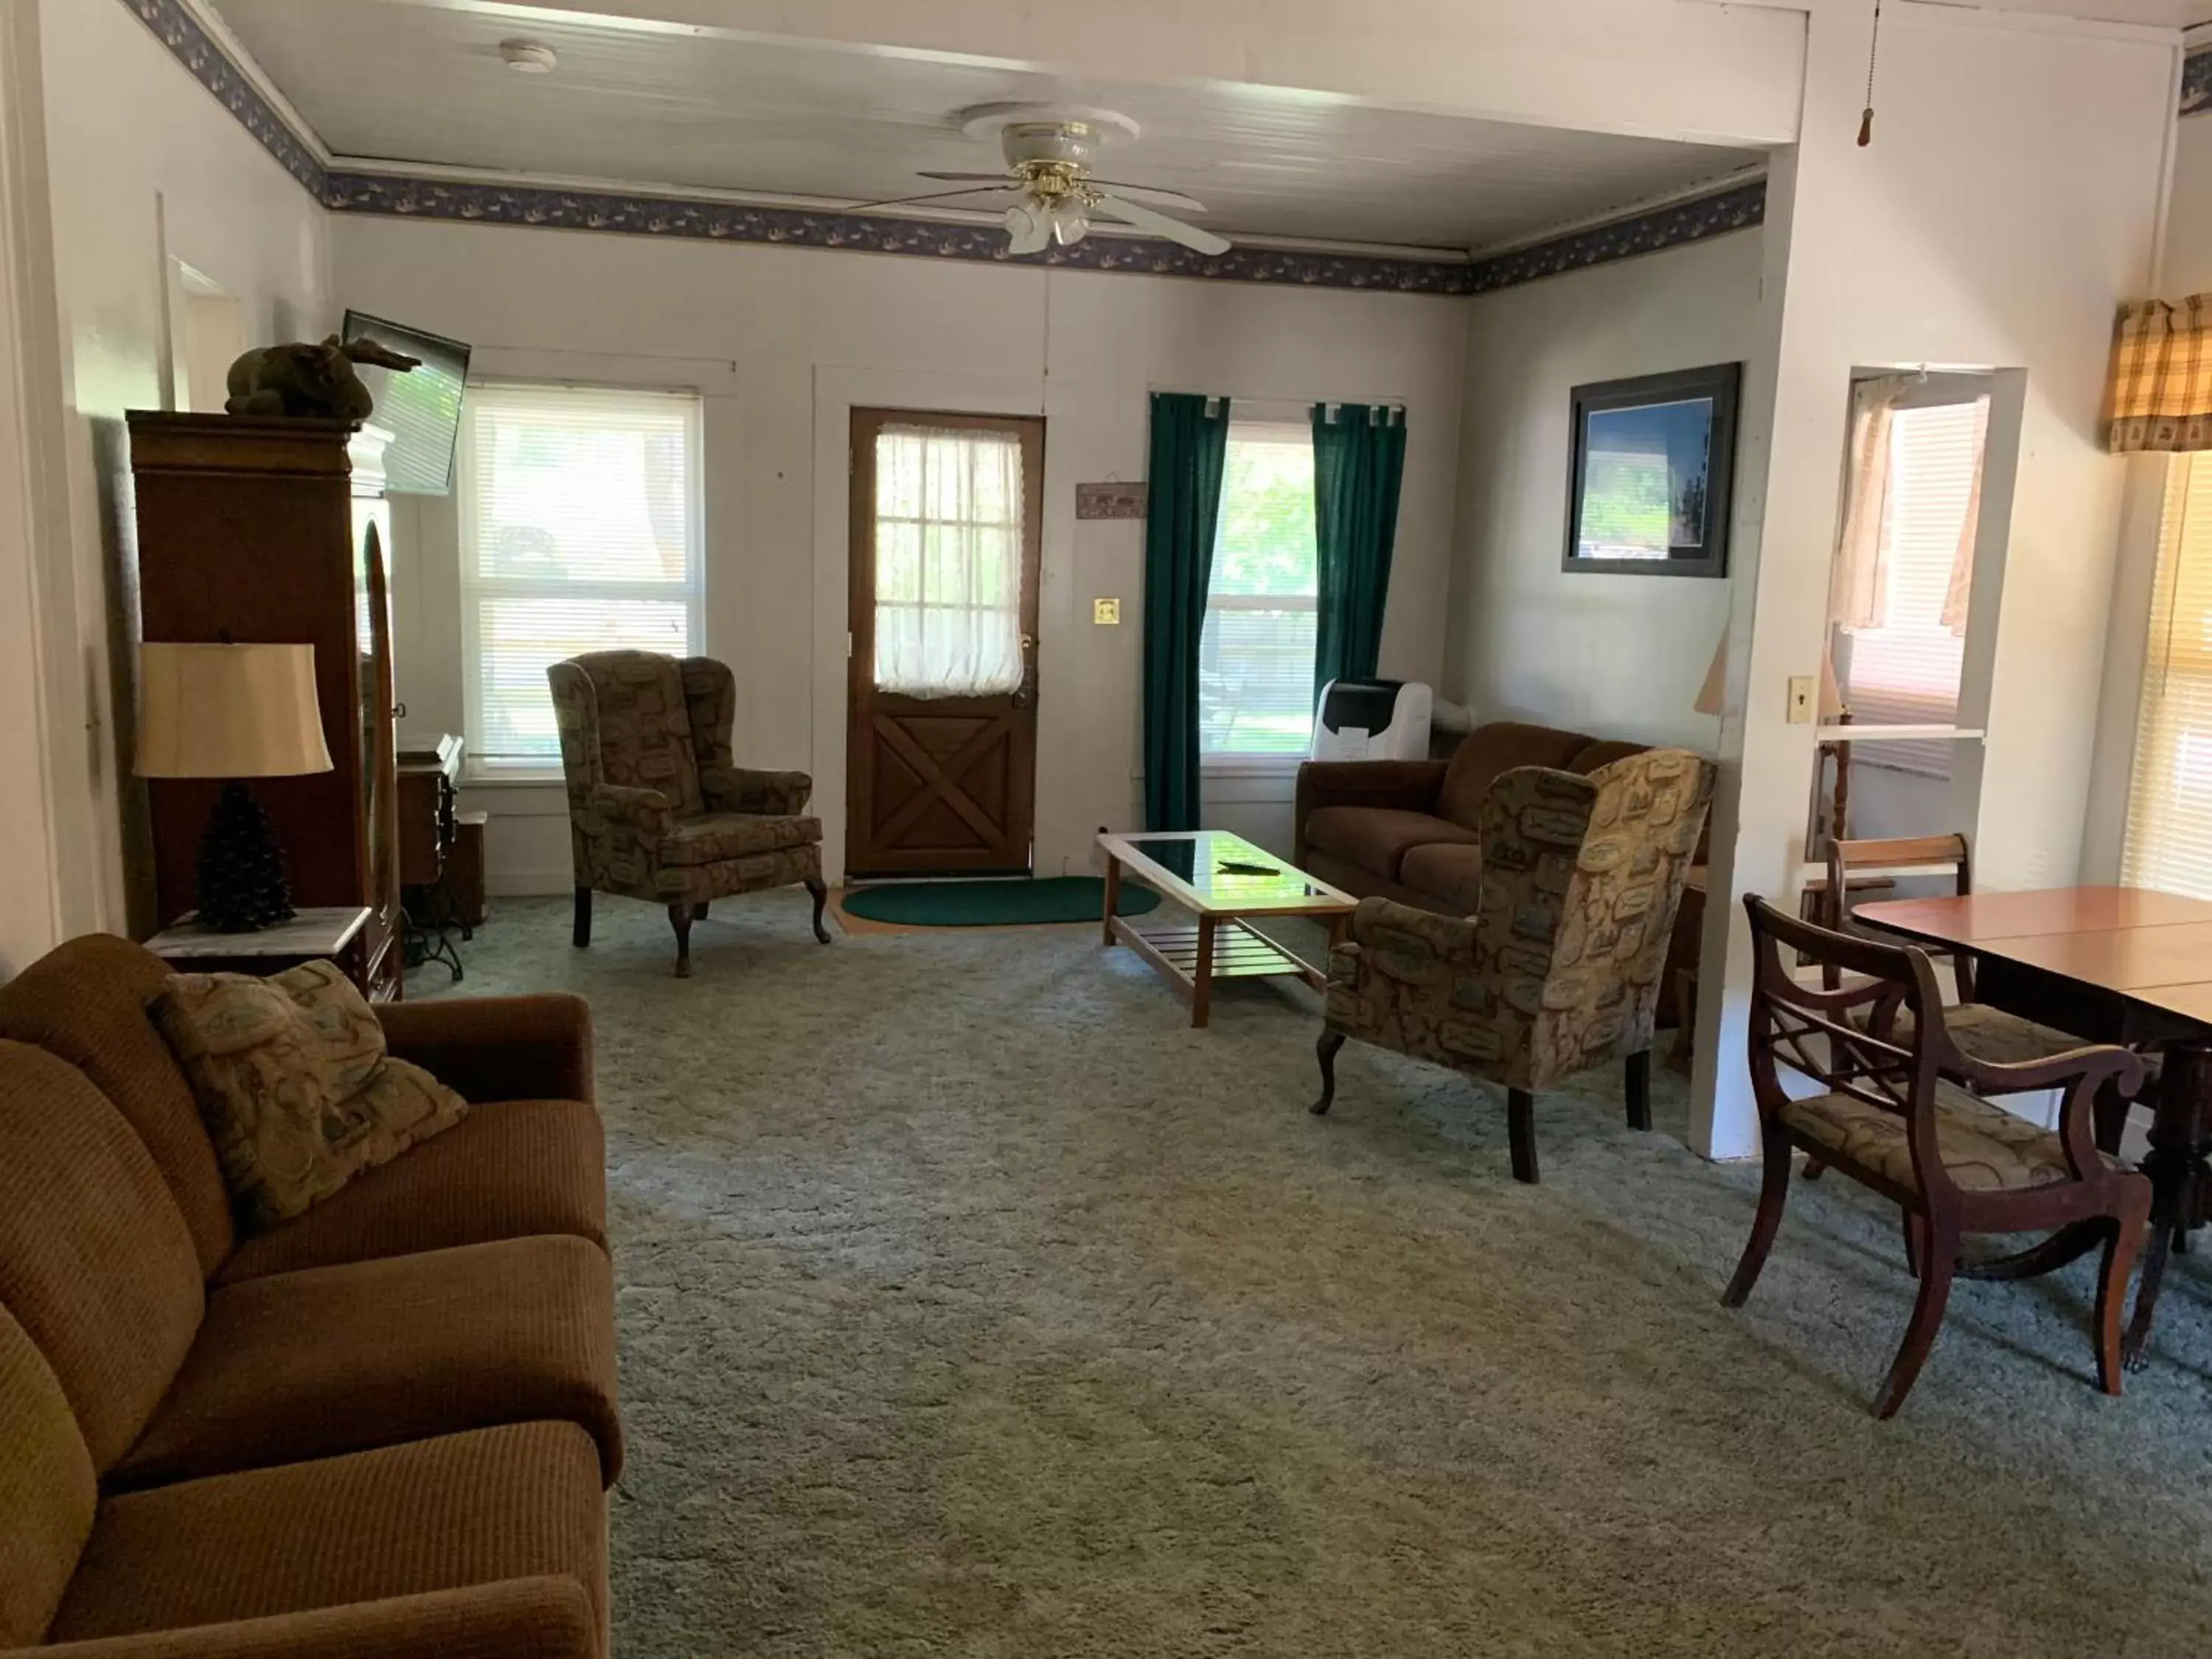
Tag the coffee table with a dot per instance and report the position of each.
(1222, 879)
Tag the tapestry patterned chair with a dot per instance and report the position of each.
(1560, 966)
(657, 809)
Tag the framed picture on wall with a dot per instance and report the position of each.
(1652, 473)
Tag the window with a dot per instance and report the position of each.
(1255, 671)
(1904, 671)
(949, 502)
(2169, 840)
(580, 531)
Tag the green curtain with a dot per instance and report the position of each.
(1189, 445)
(1359, 459)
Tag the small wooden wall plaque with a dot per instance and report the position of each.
(1113, 499)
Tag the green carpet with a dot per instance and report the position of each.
(971, 1305)
(995, 903)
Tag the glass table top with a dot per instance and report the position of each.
(1215, 870)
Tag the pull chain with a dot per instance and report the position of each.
(1874, 45)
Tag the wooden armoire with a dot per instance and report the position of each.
(274, 530)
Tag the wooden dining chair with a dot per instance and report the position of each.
(1890, 1117)
(1987, 1034)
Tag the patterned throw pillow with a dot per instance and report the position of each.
(293, 1081)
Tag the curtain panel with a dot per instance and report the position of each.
(948, 562)
(1858, 580)
(2159, 396)
(1359, 461)
(1190, 448)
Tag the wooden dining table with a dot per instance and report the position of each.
(2112, 964)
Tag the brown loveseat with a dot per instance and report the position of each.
(1407, 829)
(382, 1428)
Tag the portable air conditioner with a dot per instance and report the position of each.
(1372, 720)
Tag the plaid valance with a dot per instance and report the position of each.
(2160, 394)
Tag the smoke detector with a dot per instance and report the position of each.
(528, 57)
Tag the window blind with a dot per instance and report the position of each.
(580, 531)
(2169, 836)
(1256, 650)
(1905, 672)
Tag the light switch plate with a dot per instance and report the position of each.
(1801, 700)
(1106, 613)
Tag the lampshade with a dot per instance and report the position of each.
(229, 711)
(1711, 694)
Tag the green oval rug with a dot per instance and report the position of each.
(995, 903)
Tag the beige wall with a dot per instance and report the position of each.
(782, 340)
(1977, 231)
(145, 164)
(1619, 656)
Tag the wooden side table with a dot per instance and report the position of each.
(329, 932)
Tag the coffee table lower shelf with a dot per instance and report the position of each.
(1237, 951)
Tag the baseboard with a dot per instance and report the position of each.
(528, 884)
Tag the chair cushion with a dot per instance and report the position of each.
(340, 1359)
(1498, 747)
(1984, 1147)
(1374, 838)
(291, 1076)
(1451, 871)
(46, 1489)
(645, 725)
(1985, 1033)
(509, 1169)
(514, 1502)
(85, 1001)
(95, 1261)
(716, 837)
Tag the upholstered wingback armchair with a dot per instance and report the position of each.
(1559, 968)
(657, 808)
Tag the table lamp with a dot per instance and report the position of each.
(1712, 693)
(231, 712)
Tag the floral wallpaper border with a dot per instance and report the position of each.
(1740, 207)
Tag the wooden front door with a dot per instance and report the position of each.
(941, 752)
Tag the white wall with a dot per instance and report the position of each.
(1976, 232)
(1615, 656)
(2185, 268)
(145, 164)
(783, 341)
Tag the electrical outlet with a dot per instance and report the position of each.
(1801, 699)
(1106, 613)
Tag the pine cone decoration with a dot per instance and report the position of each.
(240, 874)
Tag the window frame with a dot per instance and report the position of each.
(2159, 734)
(478, 768)
(1260, 762)
(1933, 758)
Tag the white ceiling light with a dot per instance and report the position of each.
(529, 56)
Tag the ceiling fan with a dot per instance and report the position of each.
(1048, 149)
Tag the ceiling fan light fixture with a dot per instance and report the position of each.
(1069, 222)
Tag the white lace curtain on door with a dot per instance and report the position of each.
(948, 562)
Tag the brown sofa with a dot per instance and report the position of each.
(383, 1428)
(1407, 829)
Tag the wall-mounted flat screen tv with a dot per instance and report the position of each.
(420, 407)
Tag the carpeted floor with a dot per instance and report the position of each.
(970, 1303)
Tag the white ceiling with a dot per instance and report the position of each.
(408, 83)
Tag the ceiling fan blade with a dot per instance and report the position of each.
(995, 178)
(1174, 199)
(937, 196)
(1200, 241)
